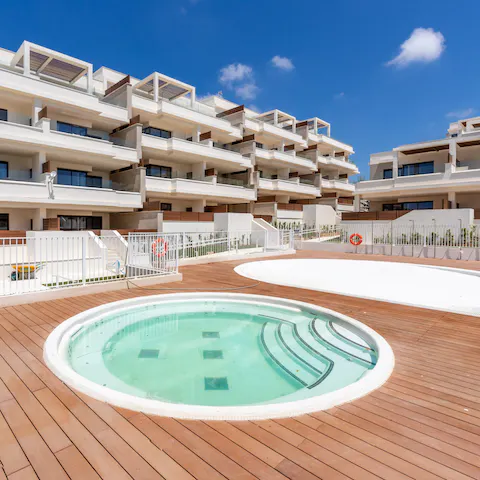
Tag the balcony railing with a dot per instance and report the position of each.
(26, 176)
(233, 181)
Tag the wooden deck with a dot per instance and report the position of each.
(424, 423)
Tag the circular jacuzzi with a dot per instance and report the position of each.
(218, 356)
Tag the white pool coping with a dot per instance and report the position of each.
(417, 285)
(56, 349)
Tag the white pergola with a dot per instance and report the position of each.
(278, 118)
(161, 86)
(316, 124)
(49, 63)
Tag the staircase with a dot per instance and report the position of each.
(308, 351)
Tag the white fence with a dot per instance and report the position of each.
(410, 239)
(41, 263)
(193, 245)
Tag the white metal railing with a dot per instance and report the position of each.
(408, 234)
(202, 244)
(48, 261)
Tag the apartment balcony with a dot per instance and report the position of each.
(195, 114)
(340, 163)
(276, 158)
(196, 151)
(291, 186)
(49, 89)
(279, 211)
(210, 187)
(462, 179)
(28, 193)
(315, 138)
(33, 138)
(257, 126)
(340, 185)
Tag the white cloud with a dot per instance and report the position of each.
(339, 95)
(283, 63)
(460, 113)
(254, 108)
(247, 91)
(235, 72)
(424, 45)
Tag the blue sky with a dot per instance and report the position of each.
(339, 51)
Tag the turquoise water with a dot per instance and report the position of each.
(219, 353)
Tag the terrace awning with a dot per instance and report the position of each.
(276, 117)
(43, 61)
(161, 86)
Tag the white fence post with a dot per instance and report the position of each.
(84, 260)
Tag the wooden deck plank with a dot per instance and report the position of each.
(12, 457)
(75, 464)
(105, 465)
(26, 473)
(41, 458)
(424, 423)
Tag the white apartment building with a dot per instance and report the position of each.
(78, 146)
(438, 174)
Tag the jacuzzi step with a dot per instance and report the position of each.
(286, 361)
(301, 351)
(323, 332)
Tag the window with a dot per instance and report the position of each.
(3, 170)
(157, 171)
(3, 221)
(415, 169)
(428, 205)
(3, 115)
(157, 132)
(70, 128)
(70, 222)
(259, 145)
(71, 177)
(166, 207)
(387, 173)
(189, 209)
(94, 181)
(77, 178)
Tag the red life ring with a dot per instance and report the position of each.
(356, 239)
(160, 247)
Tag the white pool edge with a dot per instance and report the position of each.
(55, 357)
(463, 271)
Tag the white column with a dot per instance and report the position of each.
(356, 203)
(395, 165)
(38, 215)
(90, 79)
(452, 150)
(26, 59)
(275, 118)
(37, 165)
(155, 87)
(452, 197)
(198, 170)
(192, 97)
(199, 205)
(282, 146)
(196, 134)
(37, 106)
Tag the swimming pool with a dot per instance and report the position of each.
(218, 356)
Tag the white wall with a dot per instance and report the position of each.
(441, 217)
(233, 222)
(177, 227)
(319, 215)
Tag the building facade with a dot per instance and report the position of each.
(78, 147)
(438, 174)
